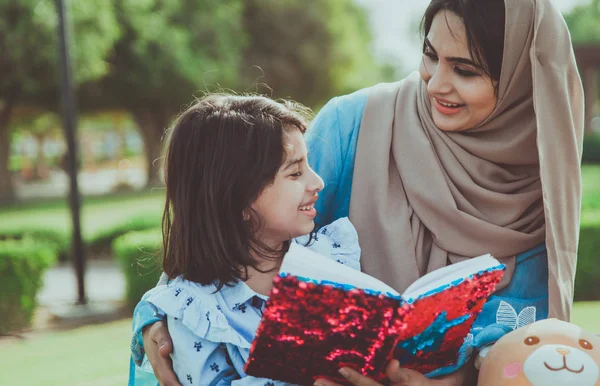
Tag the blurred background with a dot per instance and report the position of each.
(135, 64)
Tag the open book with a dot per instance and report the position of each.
(322, 315)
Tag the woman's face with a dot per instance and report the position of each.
(461, 94)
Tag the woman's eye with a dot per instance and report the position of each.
(465, 73)
(430, 54)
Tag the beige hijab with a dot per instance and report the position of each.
(503, 187)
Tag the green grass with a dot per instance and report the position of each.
(99, 355)
(587, 316)
(590, 205)
(591, 187)
(97, 214)
(87, 356)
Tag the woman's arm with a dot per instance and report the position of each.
(151, 338)
(331, 141)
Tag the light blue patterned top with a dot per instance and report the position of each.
(212, 330)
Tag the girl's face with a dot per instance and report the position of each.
(287, 205)
(461, 94)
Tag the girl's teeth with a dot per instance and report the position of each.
(307, 207)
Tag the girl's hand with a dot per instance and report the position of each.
(398, 377)
(158, 347)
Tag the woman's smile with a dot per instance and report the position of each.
(447, 108)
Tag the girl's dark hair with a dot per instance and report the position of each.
(223, 151)
(484, 26)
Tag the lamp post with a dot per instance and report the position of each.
(69, 116)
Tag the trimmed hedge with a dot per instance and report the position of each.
(22, 264)
(102, 241)
(59, 241)
(587, 279)
(139, 255)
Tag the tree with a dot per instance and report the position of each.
(308, 53)
(170, 50)
(584, 22)
(167, 52)
(29, 59)
(39, 126)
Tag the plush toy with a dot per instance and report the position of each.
(545, 353)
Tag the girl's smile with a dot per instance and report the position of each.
(308, 209)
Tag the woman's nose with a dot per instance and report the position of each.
(439, 82)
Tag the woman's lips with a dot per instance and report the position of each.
(447, 110)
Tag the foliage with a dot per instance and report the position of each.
(29, 61)
(97, 213)
(308, 53)
(591, 148)
(22, 264)
(139, 255)
(587, 284)
(102, 240)
(29, 42)
(584, 22)
(57, 240)
(167, 51)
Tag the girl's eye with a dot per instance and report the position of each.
(297, 174)
(465, 73)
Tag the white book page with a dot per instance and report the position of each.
(301, 261)
(448, 274)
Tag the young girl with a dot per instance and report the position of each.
(238, 189)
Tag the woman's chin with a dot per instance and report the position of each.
(448, 126)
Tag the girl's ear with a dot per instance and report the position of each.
(246, 214)
(481, 356)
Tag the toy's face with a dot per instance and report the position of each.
(548, 352)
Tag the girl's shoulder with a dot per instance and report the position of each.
(197, 308)
(338, 241)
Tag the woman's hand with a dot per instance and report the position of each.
(399, 377)
(158, 347)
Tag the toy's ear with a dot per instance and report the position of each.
(481, 356)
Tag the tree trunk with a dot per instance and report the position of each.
(7, 190)
(152, 125)
(41, 169)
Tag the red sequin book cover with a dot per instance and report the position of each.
(322, 316)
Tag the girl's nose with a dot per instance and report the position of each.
(316, 183)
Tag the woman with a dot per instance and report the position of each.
(479, 152)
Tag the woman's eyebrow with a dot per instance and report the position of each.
(454, 59)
